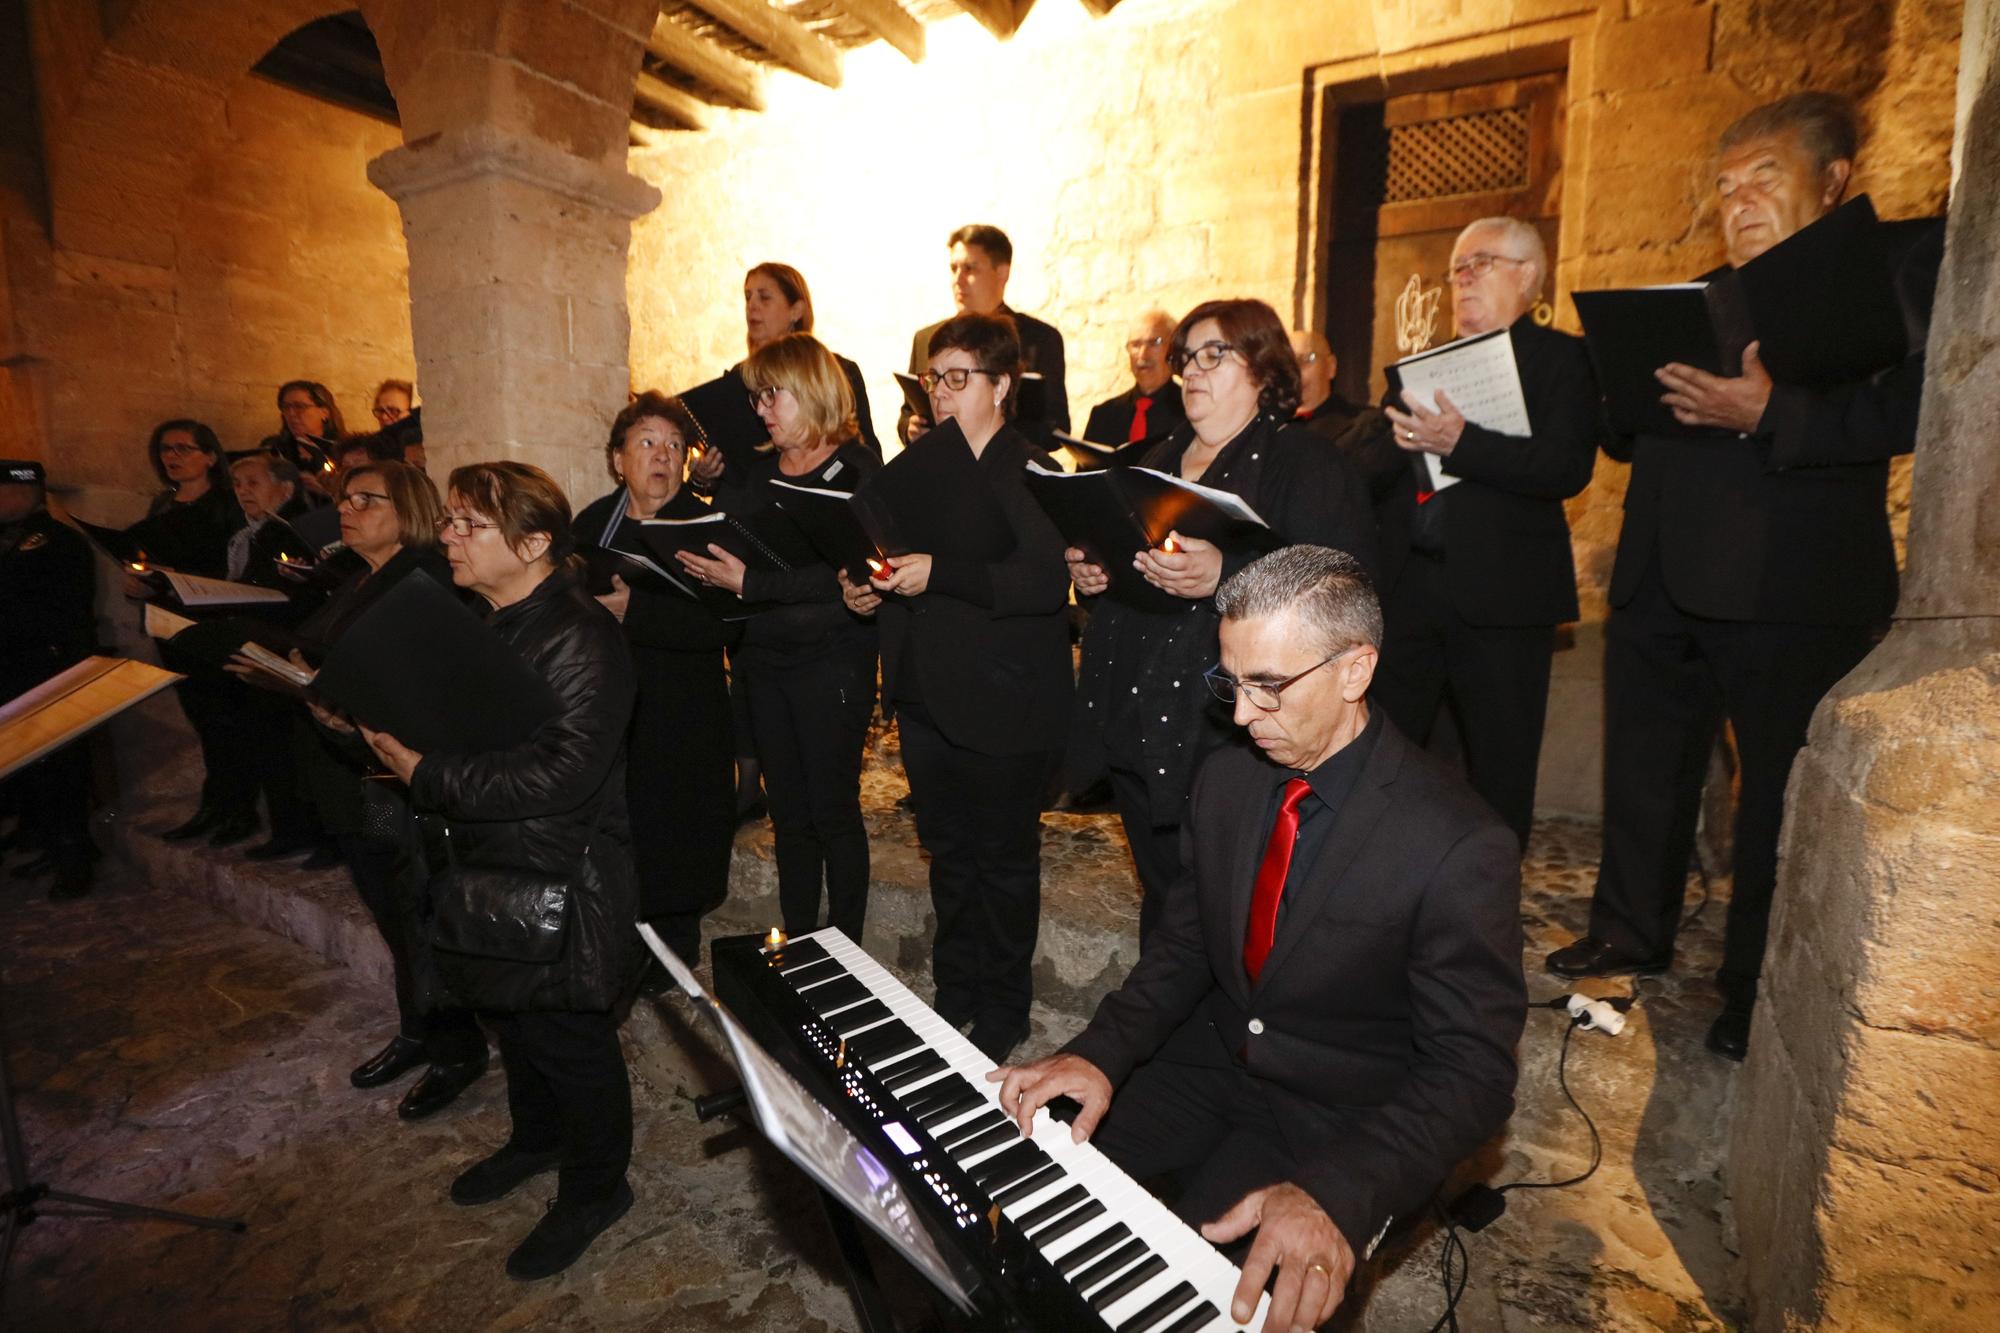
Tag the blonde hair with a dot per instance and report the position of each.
(800, 363)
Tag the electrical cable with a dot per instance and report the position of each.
(1596, 1142)
(1452, 1293)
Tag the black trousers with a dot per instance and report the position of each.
(1496, 676)
(216, 707)
(680, 784)
(1669, 680)
(1212, 1128)
(52, 798)
(1156, 848)
(273, 758)
(567, 1089)
(810, 719)
(980, 818)
(381, 876)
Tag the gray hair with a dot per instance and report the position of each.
(1521, 237)
(282, 469)
(1330, 590)
(1825, 123)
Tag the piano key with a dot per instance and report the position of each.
(1125, 1283)
(958, 1133)
(1108, 1267)
(1005, 1168)
(1096, 1245)
(914, 1070)
(853, 1020)
(812, 974)
(949, 1111)
(1145, 1293)
(1200, 1317)
(969, 1150)
(826, 1000)
(879, 1045)
(1068, 1222)
(1054, 1208)
(1028, 1185)
(797, 954)
(1177, 1296)
(933, 1095)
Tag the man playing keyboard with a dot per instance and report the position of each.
(1323, 1023)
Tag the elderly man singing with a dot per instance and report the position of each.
(1323, 1022)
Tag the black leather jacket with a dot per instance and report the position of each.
(541, 804)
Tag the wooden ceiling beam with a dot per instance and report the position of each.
(788, 41)
(891, 22)
(680, 109)
(734, 82)
(996, 16)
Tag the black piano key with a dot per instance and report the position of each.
(913, 1070)
(880, 1045)
(1067, 1223)
(1007, 1167)
(935, 1094)
(859, 1017)
(979, 1124)
(949, 1108)
(823, 1000)
(1127, 1282)
(1004, 1132)
(1181, 1294)
(1112, 1264)
(1040, 1179)
(798, 954)
(1093, 1247)
(1055, 1207)
(1201, 1316)
(812, 974)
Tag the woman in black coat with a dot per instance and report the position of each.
(807, 662)
(681, 758)
(552, 807)
(976, 670)
(1140, 682)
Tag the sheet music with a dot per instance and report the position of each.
(194, 590)
(71, 703)
(1480, 377)
(164, 624)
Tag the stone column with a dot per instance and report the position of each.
(517, 297)
(1864, 1165)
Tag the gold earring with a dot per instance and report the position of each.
(1542, 313)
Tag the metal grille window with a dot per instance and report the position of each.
(1469, 154)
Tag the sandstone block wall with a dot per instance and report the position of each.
(1155, 156)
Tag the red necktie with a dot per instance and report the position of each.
(1271, 874)
(1138, 431)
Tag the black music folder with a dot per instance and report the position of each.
(847, 530)
(722, 411)
(933, 497)
(1089, 454)
(1114, 513)
(1821, 305)
(766, 539)
(914, 396)
(638, 571)
(419, 665)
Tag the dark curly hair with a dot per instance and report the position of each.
(1260, 338)
(651, 403)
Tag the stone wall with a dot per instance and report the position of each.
(1155, 156)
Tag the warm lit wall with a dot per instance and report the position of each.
(1155, 156)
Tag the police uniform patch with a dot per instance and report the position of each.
(34, 541)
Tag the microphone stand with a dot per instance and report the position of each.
(18, 1206)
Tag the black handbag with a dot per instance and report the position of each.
(516, 916)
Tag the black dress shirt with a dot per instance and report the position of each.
(1331, 784)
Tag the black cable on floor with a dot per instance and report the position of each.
(1596, 1143)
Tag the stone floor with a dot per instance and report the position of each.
(166, 1052)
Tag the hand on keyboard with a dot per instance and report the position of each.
(1296, 1236)
(1026, 1089)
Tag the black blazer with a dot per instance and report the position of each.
(1110, 421)
(1388, 1011)
(1506, 545)
(1041, 352)
(989, 637)
(1789, 524)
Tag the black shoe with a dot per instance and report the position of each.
(1729, 1034)
(995, 1042)
(564, 1233)
(390, 1063)
(197, 824)
(232, 829)
(324, 857)
(277, 849)
(1592, 957)
(439, 1087)
(493, 1178)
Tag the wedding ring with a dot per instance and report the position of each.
(1317, 1266)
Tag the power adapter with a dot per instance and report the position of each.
(1477, 1207)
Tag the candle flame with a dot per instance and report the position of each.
(1169, 546)
(776, 939)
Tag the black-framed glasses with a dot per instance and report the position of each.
(954, 379)
(1266, 694)
(1476, 266)
(361, 500)
(461, 526)
(1207, 356)
(763, 397)
(179, 450)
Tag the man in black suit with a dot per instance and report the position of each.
(1149, 410)
(982, 258)
(1476, 564)
(1754, 570)
(1323, 1022)
(1320, 408)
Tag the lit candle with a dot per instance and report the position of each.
(881, 569)
(1169, 546)
(776, 939)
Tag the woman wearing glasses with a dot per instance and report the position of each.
(976, 671)
(1140, 681)
(681, 755)
(553, 805)
(309, 426)
(808, 664)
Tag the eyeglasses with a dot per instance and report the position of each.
(764, 397)
(360, 500)
(178, 450)
(1207, 356)
(298, 405)
(461, 526)
(1141, 344)
(385, 415)
(1265, 694)
(954, 379)
(1474, 267)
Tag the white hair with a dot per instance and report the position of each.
(1522, 241)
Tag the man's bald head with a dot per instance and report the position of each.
(1316, 367)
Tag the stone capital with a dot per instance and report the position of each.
(454, 157)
